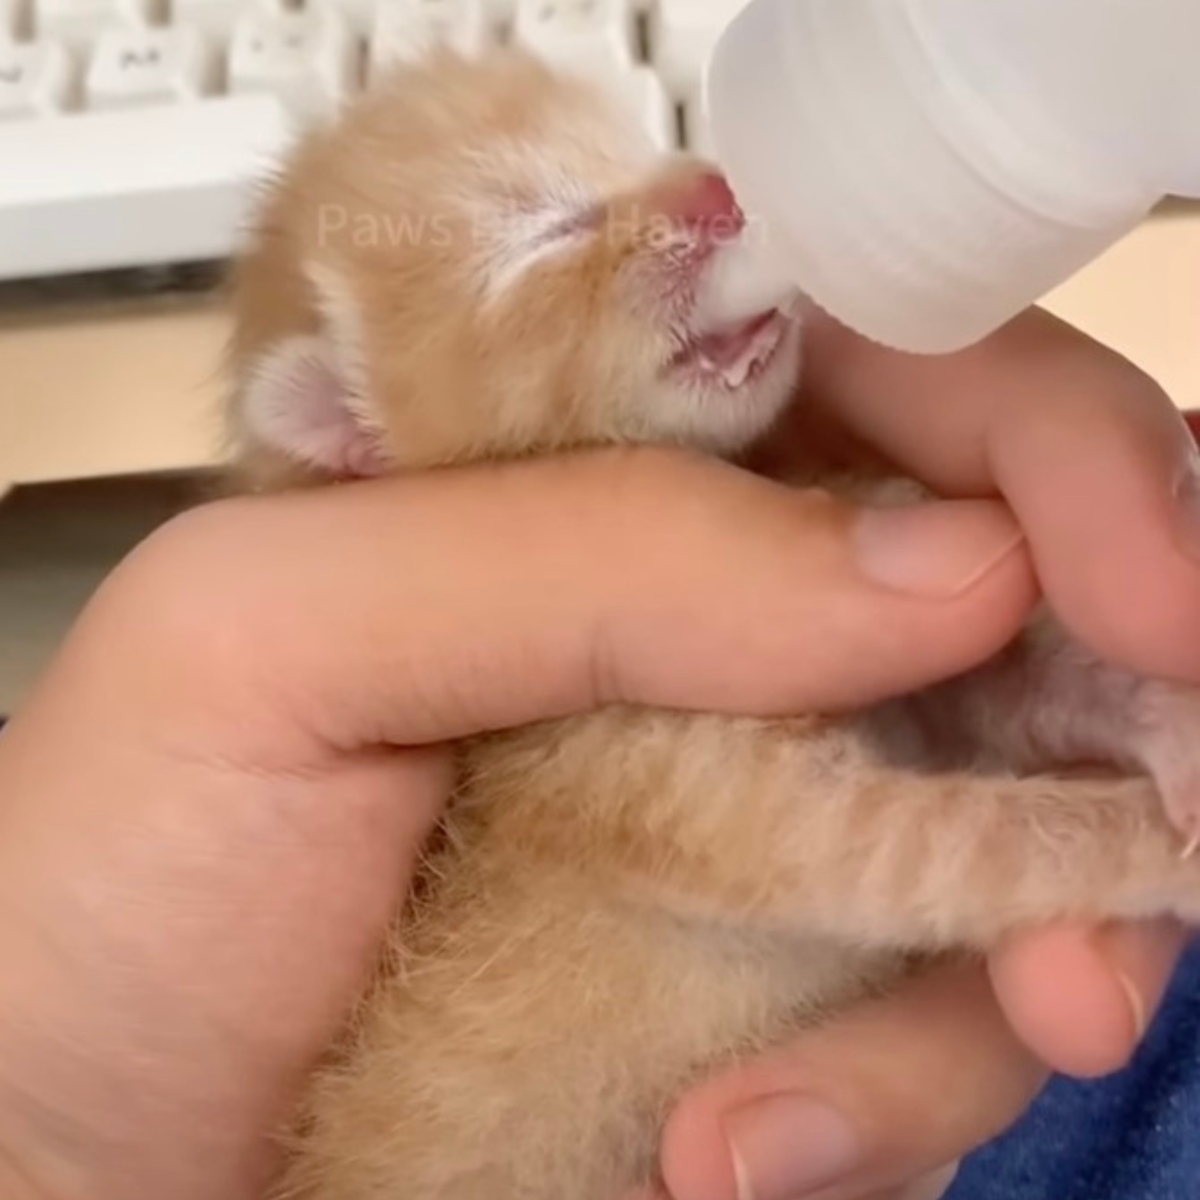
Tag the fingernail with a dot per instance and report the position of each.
(784, 1147)
(1142, 958)
(1187, 506)
(933, 1186)
(938, 550)
(1137, 1006)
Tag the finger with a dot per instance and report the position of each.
(1095, 461)
(1081, 998)
(418, 609)
(880, 1097)
(928, 1187)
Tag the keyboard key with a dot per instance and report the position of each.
(35, 79)
(695, 123)
(149, 66)
(218, 17)
(500, 15)
(80, 22)
(683, 34)
(309, 59)
(357, 15)
(642, 90)
(14, 19)
(138, 187)
(595, 37)
(403, 30)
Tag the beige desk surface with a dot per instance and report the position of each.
(119, 392)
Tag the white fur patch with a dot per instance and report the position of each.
(739, 281)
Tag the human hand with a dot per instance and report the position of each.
(1100, 470)
(211, 804)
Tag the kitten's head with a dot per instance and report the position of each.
(483, 258)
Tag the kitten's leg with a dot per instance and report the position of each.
(1046, 702)
(801, 824)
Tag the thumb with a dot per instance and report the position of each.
(418, 609)
(873, 1103)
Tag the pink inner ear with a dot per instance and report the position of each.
(297, 403)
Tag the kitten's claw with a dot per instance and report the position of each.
(1167, 717)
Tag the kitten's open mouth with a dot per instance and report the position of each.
(731, 355)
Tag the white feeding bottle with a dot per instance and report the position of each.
(926, 169)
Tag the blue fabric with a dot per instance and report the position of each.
(1132, 1136)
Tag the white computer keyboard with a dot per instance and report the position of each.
(131, 131)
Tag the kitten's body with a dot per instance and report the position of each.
(619, 902)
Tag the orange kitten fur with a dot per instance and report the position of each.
(480, 260)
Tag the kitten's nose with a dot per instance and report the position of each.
(701, 200)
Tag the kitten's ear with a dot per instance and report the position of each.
(298, 403)
(306, 396)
